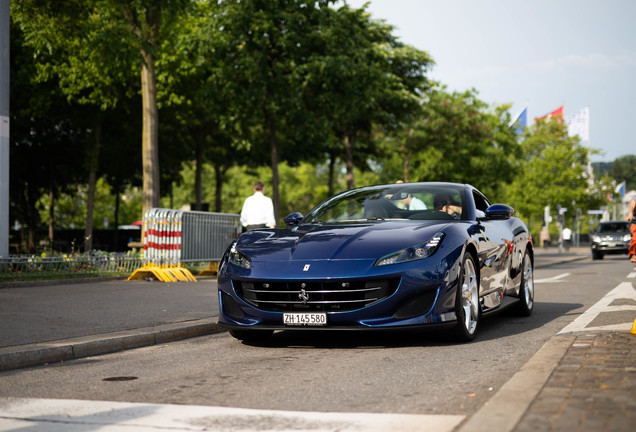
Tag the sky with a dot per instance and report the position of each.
(543, 53)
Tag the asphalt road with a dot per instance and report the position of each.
(344, 372)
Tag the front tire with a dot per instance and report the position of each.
(467, 306)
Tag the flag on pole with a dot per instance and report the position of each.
(620, 189)
(521, 120)
(557, 114)
(579, 124)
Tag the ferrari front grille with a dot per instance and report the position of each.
(327, 296)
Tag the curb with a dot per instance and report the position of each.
(504, 410)
(48, 282)
(75, 348)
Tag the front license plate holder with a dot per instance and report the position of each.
(305, 319)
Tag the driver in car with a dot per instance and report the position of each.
(444, 203)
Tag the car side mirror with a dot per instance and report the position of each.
(293, 219)
(499, 212)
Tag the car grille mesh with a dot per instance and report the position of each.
(314, 296)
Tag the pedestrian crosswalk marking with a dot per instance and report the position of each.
(621, 292)
(49, 414)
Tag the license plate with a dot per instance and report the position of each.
(305, 319)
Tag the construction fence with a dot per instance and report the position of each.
(173, 237)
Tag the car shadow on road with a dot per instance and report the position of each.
(492, 327)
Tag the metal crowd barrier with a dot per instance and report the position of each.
(172, 237)
(25, 267)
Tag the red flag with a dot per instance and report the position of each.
(557, 113)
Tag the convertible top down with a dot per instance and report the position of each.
(397, 256)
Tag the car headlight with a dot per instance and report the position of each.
(596, 239)
(627, 237)
(422, 250)
(237, 258)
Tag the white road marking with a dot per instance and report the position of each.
(553, 279)
(49, 415)
(622, 291)
(632, 275)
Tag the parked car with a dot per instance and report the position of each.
(610, 238)
(397, 256)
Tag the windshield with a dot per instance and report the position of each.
(399, 201)
(613, 227)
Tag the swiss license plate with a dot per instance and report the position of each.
(305, 319)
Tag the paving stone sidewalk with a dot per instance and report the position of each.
(593, 388)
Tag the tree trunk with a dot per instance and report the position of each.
(150, 137)
(32, 217)
(348, 143)
(148, 39)
(274, 157)
(117, 202)
(219, 175)
(407, 156)
(51, 214)
(407, 160)
(332, 168)
(198, 184)
(92, 180)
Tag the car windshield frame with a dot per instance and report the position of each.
(407, 201)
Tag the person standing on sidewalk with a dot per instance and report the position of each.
(544, 237)
(258, 210)
(567, 238)
(631, 217)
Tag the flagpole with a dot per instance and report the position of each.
(589, 143)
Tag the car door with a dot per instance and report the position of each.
(494, 246)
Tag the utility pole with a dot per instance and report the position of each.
(4, 128)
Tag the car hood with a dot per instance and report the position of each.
(336, 242)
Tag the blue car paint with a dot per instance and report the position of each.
(348, 251)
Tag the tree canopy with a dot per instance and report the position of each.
(308, 96)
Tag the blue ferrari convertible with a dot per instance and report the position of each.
(398, 256)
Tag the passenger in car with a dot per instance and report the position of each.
(412, 203)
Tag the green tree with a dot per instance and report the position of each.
(47, 141)
(194, 98)
(457, 138)
(624, 170)
(93, 47)
(71, 48)
(362, 75)
(551, 173)
(265, 47)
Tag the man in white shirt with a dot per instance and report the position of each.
(258, 210)
(567, 238)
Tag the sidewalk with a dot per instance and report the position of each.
(593, 388)
(62, 321)
(583, 382)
